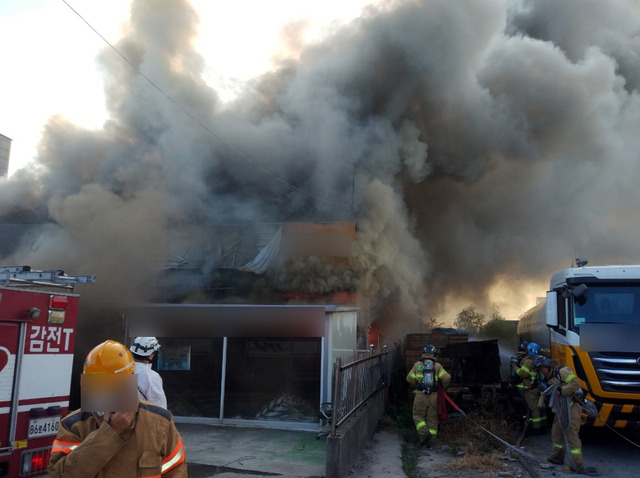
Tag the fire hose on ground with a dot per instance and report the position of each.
(587, 407)
(525, 464)
(507, 444)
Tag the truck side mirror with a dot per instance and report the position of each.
(579, 293)
(552, 309)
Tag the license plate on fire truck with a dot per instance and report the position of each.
(42, 427)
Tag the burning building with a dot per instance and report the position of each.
(474, 147)
(235, 361)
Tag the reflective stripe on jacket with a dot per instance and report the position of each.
(570, 384)
(526, 373)
(86, 445)
(414, 377)
(566, 378)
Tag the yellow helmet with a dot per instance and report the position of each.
(109, 357)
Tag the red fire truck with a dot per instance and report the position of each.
(38, 319)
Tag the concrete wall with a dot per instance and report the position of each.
(344, 449)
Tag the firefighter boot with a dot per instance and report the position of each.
(575, 469)
(425, 441)
(591, 470)
(556, 457)
(576, 463)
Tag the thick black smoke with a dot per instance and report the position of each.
(476, 144)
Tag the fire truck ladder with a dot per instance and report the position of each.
(25, 276)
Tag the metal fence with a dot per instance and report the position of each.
(359, 379)
(359, 400)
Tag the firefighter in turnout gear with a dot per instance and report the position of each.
(138, 440)
(426, 376)
(564, 395)
(529, 388)
(515, 360)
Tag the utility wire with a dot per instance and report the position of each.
(203, 126)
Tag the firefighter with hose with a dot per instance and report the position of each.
(522, 353)
(529, 389)
(426, 377)
(515, 361)
(563, 395)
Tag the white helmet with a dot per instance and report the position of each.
(144, 346)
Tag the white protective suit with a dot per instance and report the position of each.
(150, 385)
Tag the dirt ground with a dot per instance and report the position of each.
(383, 457)
(611, 455)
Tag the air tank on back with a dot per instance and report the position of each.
(532, 326)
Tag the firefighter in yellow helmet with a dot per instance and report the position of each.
(114, 434)
(425, 376)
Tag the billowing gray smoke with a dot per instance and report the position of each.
(479, 142)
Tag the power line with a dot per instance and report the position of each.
(197, 121)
